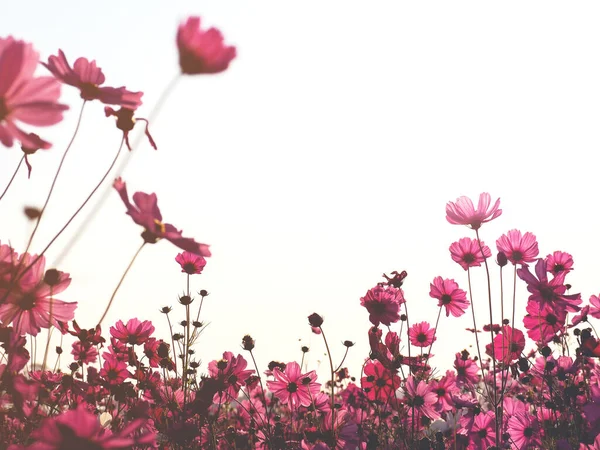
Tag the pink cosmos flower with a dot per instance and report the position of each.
(293, 387)
(467, 253)
(31, 306)
(379, 383)
(25, 98)
(202, 51)
(85, 354)
(518, 248)
(483, 434)
(383, 304)
(87, 77)
(113, 370)
(146, 213)
(466, 370)
(444, 388)
(418, 395)
(81, 429)
(421, 334)
(134, 333)
(559, 262)
(543, 323)
(462, 212)
(450, 296)
(551, 293)
(595, 306)
(508, 344)
(524, 430)
(190, 263)
(231, 373)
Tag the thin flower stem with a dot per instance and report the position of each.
(332, 381)
(13, 177)
(343, 359)
(489, 288)
(50, 329)
(121, 282)
(476, 332)
(62, 160)
(407, 329)
(64, 251)
(152, 116)
(268, 412)
(172, 342)
(434, 334)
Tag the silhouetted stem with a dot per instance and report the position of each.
(13, 177)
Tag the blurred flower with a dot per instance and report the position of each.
(420, 397)
(134, 333)
(462, 212)
(202, 51)
(87, 77)
(126, 122)
(146, 213)
(25, 98)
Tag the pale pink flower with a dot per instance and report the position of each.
(25, 98)
(202, 51)
(418, 395)
(462, 212)
(134, 333)
(88, 78)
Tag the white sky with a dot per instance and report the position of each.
(323, 157)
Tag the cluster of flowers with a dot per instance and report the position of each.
(136, 390)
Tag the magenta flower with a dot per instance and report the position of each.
(134, 333)
(81, 429)
(190, 263)
(524, 430)
(87, 77)
(420, 396)
(379, 383)
(466, 370)
(595, 306)
(293, 387)
(518, 248)
(559, 262)
(467, 253)
(146, 213)
(508, 344)
(383, 304)
(421, 334)
(114, 371)
(126, 123)
(551, 293)
(450, 296)
(231, 374)
(25, 98)
(483, 434)
(444, 388)
(202, 51)
(84, 353)
(543, 323)
(462, 212)
(31, 306)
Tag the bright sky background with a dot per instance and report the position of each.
(322, 158)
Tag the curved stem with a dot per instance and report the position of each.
(434, 334)
(153, 115)
(112, 164)
(332, 381)
(62, 160)
(120, 283)
(13, 177)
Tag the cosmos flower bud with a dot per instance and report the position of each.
(501, 259)
(304, 349)
(52, 277)
(185, 300)
(348, 344)
(247, 342)
(315, 320)
(32, 212)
